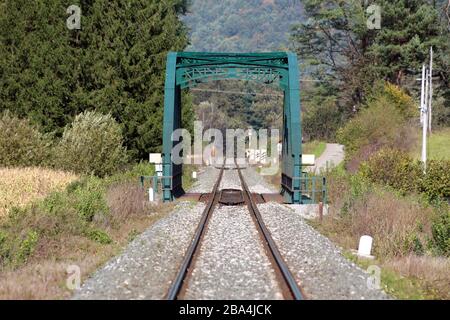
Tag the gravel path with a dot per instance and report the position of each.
(331, 157)
(317, 264)
(232, 263)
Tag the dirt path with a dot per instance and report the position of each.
(331, 157)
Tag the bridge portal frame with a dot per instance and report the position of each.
(188, 69)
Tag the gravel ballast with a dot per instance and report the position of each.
(317, 264)
(148, 265)
(232, 263)
(150, 262)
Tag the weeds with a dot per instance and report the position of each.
(84, 224)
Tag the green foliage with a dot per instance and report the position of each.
(372, 127)
(394, 168)
(436, 182)
(99, 236)
(27, 246)
(441, 232)
(92, 144)
(241, 26)
(81, 210)
(338, 47)
(90, 199)
(400, 171)
(21, 143)
(114, 64)
(396, 97)
(321, 120)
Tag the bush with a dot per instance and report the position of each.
(397, 98)
(99, 236)
(383, 123)
(441, 232)
(22, 144)
(399, 225)
(394, 168)
(90, 199)
(436, 183)
(322, 121)
(92, 144)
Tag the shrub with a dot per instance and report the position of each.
(21, 143)
(90, 199)
(321, 121)
(441, 231)
(99, 236)
(396, 97)
(27, 246)
(126, 199)
(399, 225)
(384, 122)
(393, 168)
(436, 183)
(92, 144)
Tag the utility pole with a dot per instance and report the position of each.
(424, 112)
(426, 99)
(422, 95)
(430, 89)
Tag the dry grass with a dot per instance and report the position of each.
(21, 186)
(44, 275)
(432, 272)
(396, 224)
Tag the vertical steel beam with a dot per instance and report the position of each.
(292, 136)
(168, 125)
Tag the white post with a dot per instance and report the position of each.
(151, 195)
(422, 95)
(365, 246)
(430, 93)
(424, 128)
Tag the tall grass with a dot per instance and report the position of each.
(21, 186)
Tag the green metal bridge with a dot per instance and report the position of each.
(188, 69)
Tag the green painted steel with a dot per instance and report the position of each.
(188, 69)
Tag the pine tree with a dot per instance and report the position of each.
(114, 64)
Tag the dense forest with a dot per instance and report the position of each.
(241, 26)
(114, 64)
(335, 48)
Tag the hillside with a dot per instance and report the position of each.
(241, 26)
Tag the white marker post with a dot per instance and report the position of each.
(365, 247)
(151, 195)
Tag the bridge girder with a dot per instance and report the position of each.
(188, 69)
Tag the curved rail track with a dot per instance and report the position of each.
(285, 278)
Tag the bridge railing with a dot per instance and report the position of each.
(313, 188)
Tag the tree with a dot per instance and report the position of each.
(339, 48)
(114, 64)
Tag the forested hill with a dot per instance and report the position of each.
(241, 26)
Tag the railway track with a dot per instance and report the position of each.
(286, 281)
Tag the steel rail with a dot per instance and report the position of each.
(176, 286)
(280, 263)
